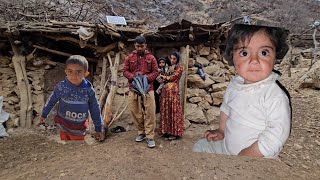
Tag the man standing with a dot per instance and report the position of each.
(142, 109)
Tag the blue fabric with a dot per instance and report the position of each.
(75, 102)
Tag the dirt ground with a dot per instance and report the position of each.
(37, 154)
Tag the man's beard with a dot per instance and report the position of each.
(140, 53)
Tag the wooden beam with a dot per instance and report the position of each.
(107, 48)
(60, 53)
(72, 40)
(174, 44)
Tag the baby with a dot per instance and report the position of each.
(163, 69)
(255, 115)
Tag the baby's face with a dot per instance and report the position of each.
(162, 64)
(254, 60)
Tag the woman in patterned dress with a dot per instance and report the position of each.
(171, 119)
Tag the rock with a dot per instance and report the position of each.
(195, 99)
(122, 82)
(308, 53)
(212, 57)
(204, 51)
(37, 88)
(213, 115)
(194, 114)
(305, 166)
(191, 62)
(208, 98)
(317, 142)
(36, 82)
(123, 90)
(16, 122)
(192, 71)
(7, 71)
(203, 61)
(186, 124)
(220, 87)
(37, 92)
(4, 60)
(195, 92)
(311, 78)
(218, 79)
(204, 105)
(217, 101)
(211, 69)
(297, 147)
(197, 82)
(46, 67)
(14, 99)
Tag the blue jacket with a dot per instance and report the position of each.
(75, 102)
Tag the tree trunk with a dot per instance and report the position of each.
(113, 88)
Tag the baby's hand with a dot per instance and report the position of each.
(214, 135)
(99, 136)
(42, 120)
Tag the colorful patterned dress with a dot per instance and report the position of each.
(171, 119)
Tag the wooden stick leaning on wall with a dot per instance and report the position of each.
(113, 88)
(26, 108)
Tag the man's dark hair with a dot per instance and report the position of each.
(140, 39)
(77, 59)
(241, 32)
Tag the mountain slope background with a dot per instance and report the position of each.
(291, 14)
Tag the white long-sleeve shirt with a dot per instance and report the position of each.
(256, 112)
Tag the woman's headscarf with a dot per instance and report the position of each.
(177, 55)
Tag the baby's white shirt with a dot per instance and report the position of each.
(256, 112)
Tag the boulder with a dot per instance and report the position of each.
(212, 57)
(186, 124)
(204, 51)
(220, 87)
(211, 69)
(195, 92)
(213, 115)
(311, 78)
(195, 100)
(191, 62)
(203, 61)
(194, 113)
(208, 98)
(123, 90)
(197, 82)
(204, 105)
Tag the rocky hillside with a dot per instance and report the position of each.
(294, 15)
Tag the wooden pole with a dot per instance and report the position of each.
(26, 109)
(113, 89)
(184, 51)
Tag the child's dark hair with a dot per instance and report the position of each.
(241, 32)
(77, 59)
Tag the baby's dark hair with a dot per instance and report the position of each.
(241, 32)
(77, 59)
